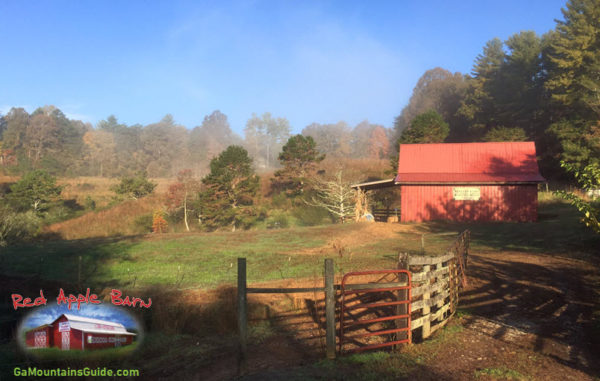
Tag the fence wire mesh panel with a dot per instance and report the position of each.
(375, 310)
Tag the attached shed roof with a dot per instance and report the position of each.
(374, 184)
(506, 162)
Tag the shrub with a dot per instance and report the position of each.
(89, 203)
(310, 215)
(143, 223)
(279, 220)
(159, 224)
(134, 187)
(17, 227)
(280, 201)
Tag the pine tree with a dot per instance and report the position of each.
(231, 187)
(574, 55)
(574, 83)
(299, 158)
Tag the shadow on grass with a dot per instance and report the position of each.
(557, 231)
(552, 300)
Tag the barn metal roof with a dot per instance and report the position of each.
(505, 162)
(91, 320)
(90, 328)
(95, 325)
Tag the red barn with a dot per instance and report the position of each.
(468, 181)
(76, 332)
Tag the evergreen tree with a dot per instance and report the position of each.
(428, 127)
(231, 186)
(36, 191)
(574, 81)
(574, 84)
(299, 158)
(134, 187)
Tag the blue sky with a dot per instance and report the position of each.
(307, 61)
(47, 314)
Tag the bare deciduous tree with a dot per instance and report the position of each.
(334, 195)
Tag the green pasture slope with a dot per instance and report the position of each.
(209, 259)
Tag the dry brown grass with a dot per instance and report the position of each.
(357, 170)
(118, 220)
(98, 188)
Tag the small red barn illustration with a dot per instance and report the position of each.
(77, 332)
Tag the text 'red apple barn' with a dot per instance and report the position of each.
(76, 332)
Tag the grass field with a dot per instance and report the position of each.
(201, 327)
(209, 259)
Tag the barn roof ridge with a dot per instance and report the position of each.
(84, 319)
(493, 162)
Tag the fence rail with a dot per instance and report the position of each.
(384, 215)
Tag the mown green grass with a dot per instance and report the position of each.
(500, 373)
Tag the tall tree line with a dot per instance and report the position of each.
(47, 139)
(529, 87)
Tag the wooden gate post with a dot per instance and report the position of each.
(329, 309)
(242, 315)
(402, 309)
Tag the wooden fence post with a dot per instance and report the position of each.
(242, 315)
(329, 309)
(402, 309)
(426, 308)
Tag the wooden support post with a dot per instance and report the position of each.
(423, 244)
(426, 308)
(402, 309)
(329, 309)
(242, 316)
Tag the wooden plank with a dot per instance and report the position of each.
(439, 325)
(426, 308)
(427, 319)
(437, 286)
(417, 260)
(417, 323)
(415, 306)
(425, 276)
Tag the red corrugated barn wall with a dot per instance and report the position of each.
(497, 203)
(40, 337)
(468, 182)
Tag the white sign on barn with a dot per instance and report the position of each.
(64, 326)
(466, 193)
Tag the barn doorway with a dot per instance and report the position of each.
(65, 341)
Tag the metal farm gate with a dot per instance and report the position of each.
(378, 310)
